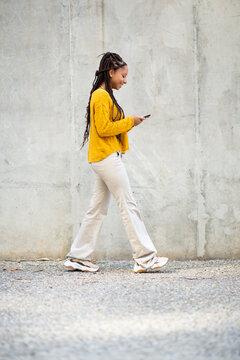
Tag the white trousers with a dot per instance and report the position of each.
(112, 178)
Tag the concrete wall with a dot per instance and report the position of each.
(183, 163)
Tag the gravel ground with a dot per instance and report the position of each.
(186, 310)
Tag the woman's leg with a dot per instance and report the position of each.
(113, 173)
(84, 243)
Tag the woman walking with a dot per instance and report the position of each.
(106, 128)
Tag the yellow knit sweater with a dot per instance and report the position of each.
(103, 130)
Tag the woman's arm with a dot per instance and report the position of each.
(106, 127)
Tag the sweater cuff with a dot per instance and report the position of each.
(132, 122)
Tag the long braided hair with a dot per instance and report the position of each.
(109, 61)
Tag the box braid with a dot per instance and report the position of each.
(108, 61)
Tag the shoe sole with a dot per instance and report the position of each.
(150, 269)
(69, 265)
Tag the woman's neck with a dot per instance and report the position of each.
(103, 86)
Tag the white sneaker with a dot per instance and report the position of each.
(160, 262)
(82, 265)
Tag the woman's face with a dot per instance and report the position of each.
(118, 77)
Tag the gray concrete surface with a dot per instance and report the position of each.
(183, 163)
(186, 310)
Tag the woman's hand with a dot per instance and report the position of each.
(138, 119)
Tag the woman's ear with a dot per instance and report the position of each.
(111, 72)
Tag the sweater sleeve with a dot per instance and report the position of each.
(106, 127)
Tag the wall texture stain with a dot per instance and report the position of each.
(183, 163)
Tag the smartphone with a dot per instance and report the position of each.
(146, 116)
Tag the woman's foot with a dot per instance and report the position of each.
(82, 265)
(160, 262)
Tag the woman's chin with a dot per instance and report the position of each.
(117, 87)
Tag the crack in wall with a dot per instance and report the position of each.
(103, 34)
(202, 217)
(73, 189)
